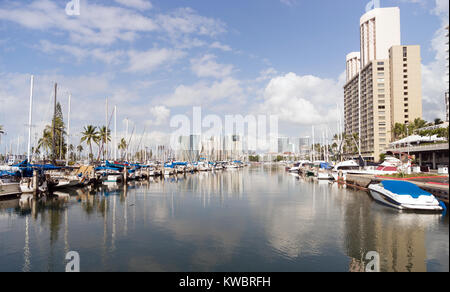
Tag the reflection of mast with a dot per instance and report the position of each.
(113, 234)
(66, 232)
(26, 249)
(125, 210)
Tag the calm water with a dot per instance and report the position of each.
(255, 219)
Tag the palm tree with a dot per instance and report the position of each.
(122, 145)
(79, 150)
(89, 135)
(104, 135)
(46, 141)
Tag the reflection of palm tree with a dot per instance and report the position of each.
(90, 135)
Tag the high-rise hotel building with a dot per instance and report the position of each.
(383, 85)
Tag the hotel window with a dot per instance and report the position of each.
(406, 99)
(407, 117)
(405, 52)
(406, 105)
(405, 65)
(381, 124)
(381, 107)
(405, 88)
(380, 79)
(380, 68)
(382, 145)
(382, 112)
(380, 74)
(405, 71)
(382, 129)
(382, 140)
(382, 118)
(406, 110)
(381, 101)
(405, 76)
(405, 82)
(405, 93)
(380, 84)
(380, 63)
(382, 134)
(381, 95)
(381, 90)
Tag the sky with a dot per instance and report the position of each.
(156, 59)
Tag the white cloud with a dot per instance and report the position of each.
(302, 100)
(207, 66)
(138, 4)
(97, 24)
(107, 57)
(187, 21)
(218, 45)
(160, 115)
(203, 93)
(150, 60)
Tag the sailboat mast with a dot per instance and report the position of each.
(30, 120)
(106, 131)
(115, 133)
(68, 130)
(54, 127)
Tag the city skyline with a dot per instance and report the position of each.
(194, 56)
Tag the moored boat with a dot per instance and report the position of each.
(404, 195)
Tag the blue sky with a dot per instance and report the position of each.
(155, 59)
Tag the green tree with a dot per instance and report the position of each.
(438, 122)
(90, 135)
(254, 158)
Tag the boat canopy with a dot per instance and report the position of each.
(404, 188)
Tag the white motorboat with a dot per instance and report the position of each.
(344, 167)
(404, 196)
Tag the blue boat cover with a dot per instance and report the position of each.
(404, 188)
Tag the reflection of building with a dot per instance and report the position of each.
(399, 238)
(387, 89)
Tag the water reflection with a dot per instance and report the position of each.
(256, 219)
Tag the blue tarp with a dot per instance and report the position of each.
(325, 165)
(404, 188)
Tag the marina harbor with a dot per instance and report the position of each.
(226, 145)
